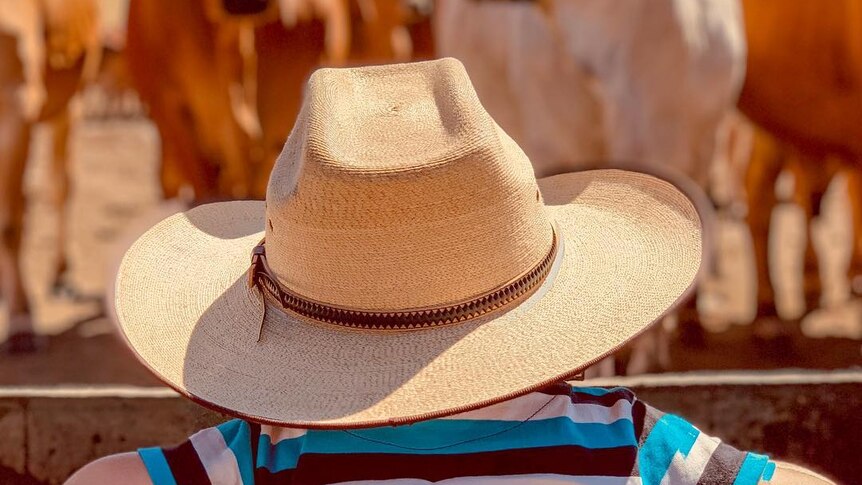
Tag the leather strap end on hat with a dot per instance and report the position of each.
(261, 277)
(257, 265)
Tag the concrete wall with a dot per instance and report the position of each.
(810, 418)
(49, 433)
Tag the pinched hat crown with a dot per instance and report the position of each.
(396, 190)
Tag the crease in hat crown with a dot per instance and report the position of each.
(396, 190)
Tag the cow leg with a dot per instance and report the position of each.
(235, 175)
(170, 174)
(234, 180)
(812, 282)
(854, 192)
(14, 146)
(60, 178)
(812, 180)
(763, 170)
(181, 163)
(171, 177)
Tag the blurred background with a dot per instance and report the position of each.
(117, 113)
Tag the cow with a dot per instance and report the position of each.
(231, 75)
(47, 50)
(804, 89)
(183, 65)
(287, 56)
(598, 83)
(579, 82)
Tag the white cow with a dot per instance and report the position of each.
(578, 82)
(591, 83)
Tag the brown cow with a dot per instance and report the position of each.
(59, 43)
(183, 64)
(222, 144)
(804, 87)
(286, 57)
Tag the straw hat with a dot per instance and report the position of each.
(412, 268)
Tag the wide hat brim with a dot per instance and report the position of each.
(631, 249)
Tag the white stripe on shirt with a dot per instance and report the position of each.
(688, 469)
(521, 408)
(277, 434)
(218, 460)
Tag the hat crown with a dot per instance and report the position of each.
(396, 190)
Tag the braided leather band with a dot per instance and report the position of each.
(260, 276)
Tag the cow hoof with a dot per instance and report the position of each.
(22, 343)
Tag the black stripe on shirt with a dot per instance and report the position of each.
(558, 389)
(644, 418)
(723, 466)
(564, 460)
(185, 465)
(254, 431)
(651, 416)
(607, 400)
(639, 422)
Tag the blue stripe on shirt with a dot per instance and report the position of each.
(237, 435)
(752, 469)
(670, 435)
(436, 433)
(599, 391)
(157, 466)
(769, 471)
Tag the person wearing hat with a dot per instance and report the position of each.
(407, 303)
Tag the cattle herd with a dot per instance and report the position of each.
(668, 86)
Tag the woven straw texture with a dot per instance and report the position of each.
(397, 191)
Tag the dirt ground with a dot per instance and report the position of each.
(113, 169)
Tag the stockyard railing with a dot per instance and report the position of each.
(812, 418)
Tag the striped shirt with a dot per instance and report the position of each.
(560, 435)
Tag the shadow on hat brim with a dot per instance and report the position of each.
(632, 250)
